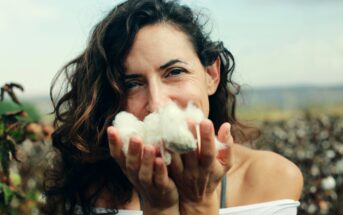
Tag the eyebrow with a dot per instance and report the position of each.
(171, 62)
(132, 76)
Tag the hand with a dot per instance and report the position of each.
(197, 174)
(147, 173)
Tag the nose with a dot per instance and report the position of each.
(158, 96)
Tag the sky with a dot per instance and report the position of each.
(275, 43)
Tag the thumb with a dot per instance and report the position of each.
(115, 145)
(225, 154)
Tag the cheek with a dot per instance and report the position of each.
(195, 92)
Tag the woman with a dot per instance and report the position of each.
(141, 56)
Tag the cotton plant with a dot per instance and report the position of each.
(167, 128)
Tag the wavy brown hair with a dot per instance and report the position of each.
(94, 93)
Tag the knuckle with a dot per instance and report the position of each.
(131, 166)
(159, 182)
(207, 159)
(192, 176)
(144, 178)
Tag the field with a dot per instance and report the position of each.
(314, 142)
(306, 126)
(309, 133)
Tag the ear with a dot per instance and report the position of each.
(213, 76)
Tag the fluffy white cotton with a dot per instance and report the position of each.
(152, 131)
(153, 134)
(128, 125)
(192, 112)
(174, 128)
(167, 128)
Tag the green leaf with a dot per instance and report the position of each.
(8, 195)
(7, 192)
(2, 127)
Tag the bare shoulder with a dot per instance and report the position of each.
(271, 176)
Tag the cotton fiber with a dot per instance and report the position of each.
(166, 128)
(128, 125)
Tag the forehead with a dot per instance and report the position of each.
(158, 43)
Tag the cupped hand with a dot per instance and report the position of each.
(147, 172)
(198, 173)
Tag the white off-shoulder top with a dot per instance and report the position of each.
(278, 207)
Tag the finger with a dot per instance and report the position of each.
(194, 128)
(208, 151)
(190, 160)
(161, 178)
(224, 135)
(133, 158)
(145, 174)
(115, 146)
(176, 166)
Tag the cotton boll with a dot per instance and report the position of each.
(152, 131)
(153, 135)
(128, 125)
(328, 183)
(167, 126)
(180, 140)
(175, 130)
(194, 113)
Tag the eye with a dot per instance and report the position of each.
(130, 84)
(175, 72)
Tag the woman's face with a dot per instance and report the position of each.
(162, 66)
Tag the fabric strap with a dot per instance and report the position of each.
(223, 193)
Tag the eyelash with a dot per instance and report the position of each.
(135, 83)
(179, 70)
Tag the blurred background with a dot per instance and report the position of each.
(288, 62)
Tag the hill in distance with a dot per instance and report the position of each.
(262, 99)
(260, 103)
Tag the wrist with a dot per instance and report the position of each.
(173, 210)
(207, 205)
